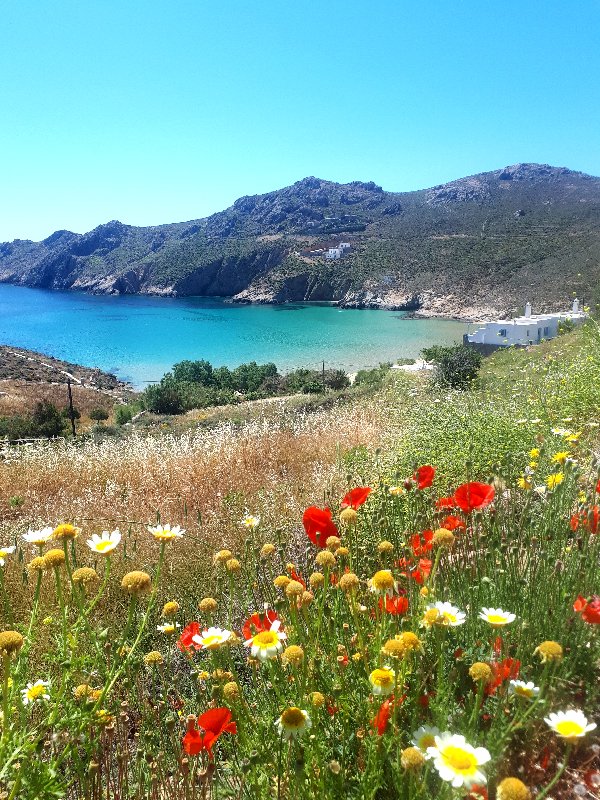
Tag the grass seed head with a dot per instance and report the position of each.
(208, 605)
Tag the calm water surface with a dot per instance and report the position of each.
(139, 338)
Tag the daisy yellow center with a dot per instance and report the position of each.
(3, 553)
(523, 691)
(292, 717)
(36, 692)
(164, 535)
(569, 728)
(266, 639)
(448, 616)
(211, 641)
(382, 677)
(428, 740)
(383, 580)
(496, 619)
(105, 544)
(459, 760)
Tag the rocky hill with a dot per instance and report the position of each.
(473, 247)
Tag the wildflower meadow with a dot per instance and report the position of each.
(424, 631)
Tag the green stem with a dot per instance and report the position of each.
(5, 600)
(558, 775)
(5, 674)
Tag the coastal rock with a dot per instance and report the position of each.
(451, 250)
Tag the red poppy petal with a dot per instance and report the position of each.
(424, 476)
(193, 743)
(356, 497)
(214, 720)
(471, 496)
(318, 525)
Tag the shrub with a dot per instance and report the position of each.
(123, 415)
(99, 414)
(456, 366)
(47, 420)
(164, 398)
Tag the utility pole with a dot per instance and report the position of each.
(71, 410)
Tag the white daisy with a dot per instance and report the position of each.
(424, 738)
(447, 615)
(457, 761)
(496, 617)
(382, 681)
(522, 689)
(38, 538)
(106, 543)
(570, 724)
(35, 691)
(165, 533)
(251, 522)
(292, 723)
(6, 551)
(212, 638)
(168, 628)
(267, 644)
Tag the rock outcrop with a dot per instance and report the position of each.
(481, 244)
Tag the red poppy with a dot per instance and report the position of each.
(258, 623)
(505, 670)
(477, 793)
(332, 709)
(398, 604)
(384, 713)
(212, 724)
(422, 544)
(355, 498)
(185, 643)
(424, 476)
(473, 495)
(498, 644)
(318, 525)
(445, 502)
(452, 523)
(588, 518)
(589, 609)
(598, 487)
(418, 572)
(296, 577)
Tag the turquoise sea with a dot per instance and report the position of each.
(139, 338)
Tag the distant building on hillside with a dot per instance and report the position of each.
(334, 253)
(521, 331)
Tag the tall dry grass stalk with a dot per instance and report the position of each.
(204, 480)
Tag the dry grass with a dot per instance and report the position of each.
(20, 397)
(204, 480)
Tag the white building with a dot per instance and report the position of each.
(525, 330)
(345, 246)
(334, 252)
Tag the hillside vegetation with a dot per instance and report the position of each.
(473, 247)
(390, 598)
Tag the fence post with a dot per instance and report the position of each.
(71, 410)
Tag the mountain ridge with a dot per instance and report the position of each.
(473, 247)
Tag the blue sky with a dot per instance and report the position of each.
(168, 110)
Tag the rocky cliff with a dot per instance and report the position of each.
(473, 247)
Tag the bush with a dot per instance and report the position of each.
(99, 414)
(456, 366)
(47, 420)
(123, 415)
(164, 398)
